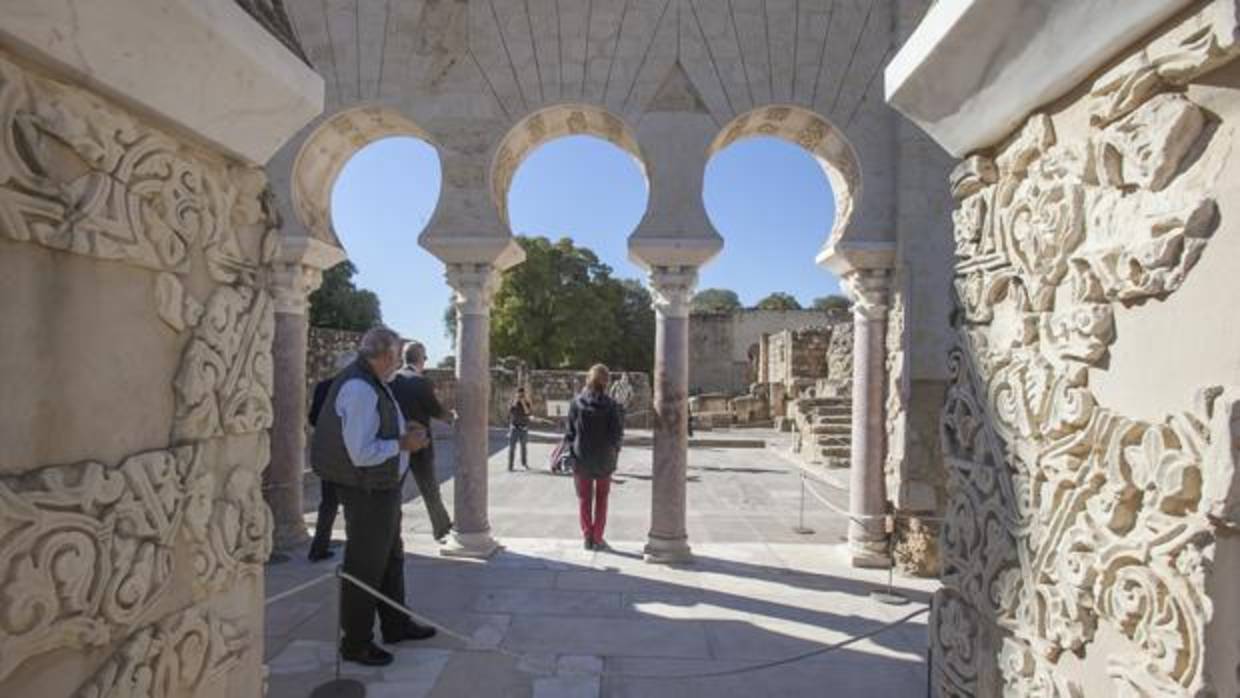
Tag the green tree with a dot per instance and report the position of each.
(340, 305)
(561, 308)
(716, 300)
(833, 302)
(779, 301)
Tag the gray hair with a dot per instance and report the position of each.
(376, 342)
(344, 358)
(414, 352)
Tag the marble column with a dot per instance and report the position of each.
(867, 537)
(297, 271)
(672, 288)
(474, 285)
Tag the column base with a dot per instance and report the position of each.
(290, 539)
(472, 545)
(869, 555)
(664, 551)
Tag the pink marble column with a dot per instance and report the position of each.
(867, 537)
(297, 271)
(474, 285)
(668, 540)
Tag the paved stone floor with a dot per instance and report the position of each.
(546, 619)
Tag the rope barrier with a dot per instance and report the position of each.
(296, 590)
(470, 641)
(860, 518)
(532, 659)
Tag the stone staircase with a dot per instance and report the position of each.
(825, 430)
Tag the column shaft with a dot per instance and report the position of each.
(669, 540)
(867, 537)
(288, 432)
(474, 285)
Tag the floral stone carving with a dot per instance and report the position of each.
(1066, 515)
(88, 550)
(171, 658)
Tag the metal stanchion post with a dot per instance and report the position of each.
(801, 516)
(338, 687)
(891, 597)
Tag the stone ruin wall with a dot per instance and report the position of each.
(136, 275)
(723, 347)
(541, 385)
(1092, 425)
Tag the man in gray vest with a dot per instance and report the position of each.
(362, 445)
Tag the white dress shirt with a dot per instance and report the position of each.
(358, 407)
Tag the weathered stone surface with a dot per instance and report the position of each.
(146, 557)
(1078, 556)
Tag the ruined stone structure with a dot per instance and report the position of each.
(143, 282)
(1092, 426)
(724, 347)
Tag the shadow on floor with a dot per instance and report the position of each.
(656, 629)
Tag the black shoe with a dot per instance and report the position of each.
(601, 544)
(589, 544)
(412, 631)
(318, 555)
(371, 655)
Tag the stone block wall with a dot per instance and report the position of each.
(1092, 423)
(137, 324)
(724, 348)
(323, 345)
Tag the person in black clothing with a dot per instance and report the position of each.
(595, 433)
(329, 502)
(416, 397)
(519, 427)
(362, 444)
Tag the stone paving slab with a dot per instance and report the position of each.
(545, 618)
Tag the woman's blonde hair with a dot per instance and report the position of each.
(598, 378)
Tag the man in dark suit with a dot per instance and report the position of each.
(416, 396)
(329, 502)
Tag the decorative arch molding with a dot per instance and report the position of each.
(815, 134)
(324, 153)
(548, 124)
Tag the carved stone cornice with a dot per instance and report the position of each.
(870, 290)
(473, 286)
(672, 290)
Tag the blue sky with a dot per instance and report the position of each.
(767, 198)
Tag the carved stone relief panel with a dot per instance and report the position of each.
(99, 559)
(1065, 515)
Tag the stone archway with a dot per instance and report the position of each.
(864, 269)
(546, 125)
(302, 260)
(825, 143)
(326, 151)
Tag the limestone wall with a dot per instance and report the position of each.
(137, 329)
(724, 348)
(1092, 423)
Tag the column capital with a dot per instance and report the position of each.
(473, 285)
(870, 290)
(298, 270)
(672, 289)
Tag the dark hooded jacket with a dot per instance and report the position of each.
(595, 432)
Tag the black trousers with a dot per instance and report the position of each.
(328, 504)
(374, 554)
(423, 469)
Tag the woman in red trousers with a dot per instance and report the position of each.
(595, 431)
